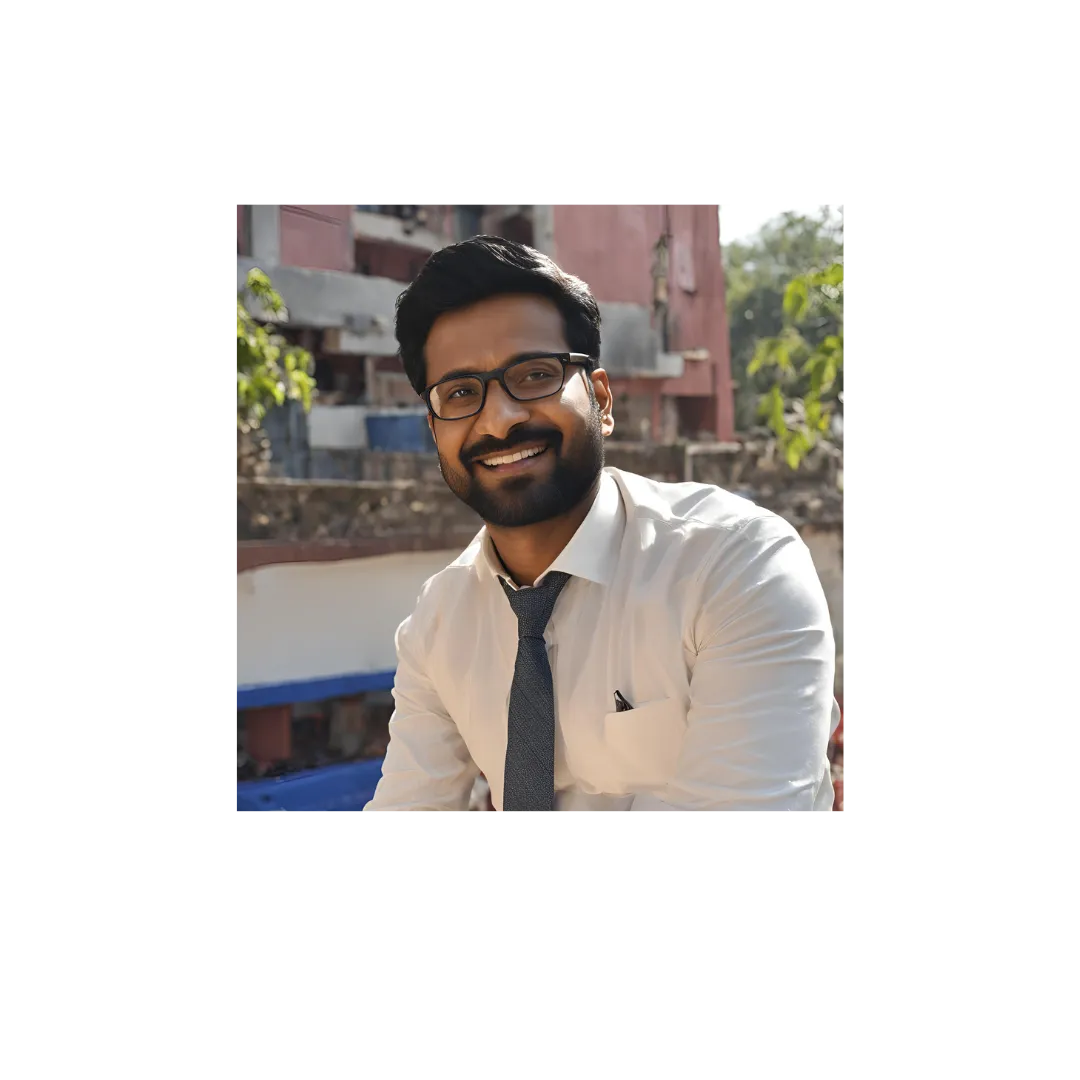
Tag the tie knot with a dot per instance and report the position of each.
(533, 607)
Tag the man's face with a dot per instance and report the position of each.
(569, 426)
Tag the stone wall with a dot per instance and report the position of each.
(752, 464)
(378, 465)
(403, 494)
(302, 511)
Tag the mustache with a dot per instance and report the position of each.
(520, 438)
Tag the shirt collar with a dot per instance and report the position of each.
(592, 551)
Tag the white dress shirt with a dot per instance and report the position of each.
(702, 609)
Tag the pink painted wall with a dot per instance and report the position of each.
(611, 247)
(317, 237)
(241, 231)
(698, 319)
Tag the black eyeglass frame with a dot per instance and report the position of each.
(499, 375)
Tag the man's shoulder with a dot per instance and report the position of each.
(691, 507)
(453, 581)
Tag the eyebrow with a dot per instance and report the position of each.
(459, 373)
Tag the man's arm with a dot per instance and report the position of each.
(427, 765)
(761, 693)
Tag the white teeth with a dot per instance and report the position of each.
(508, 458)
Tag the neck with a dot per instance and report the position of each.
(528, 551)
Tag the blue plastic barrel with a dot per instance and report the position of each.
(336, 787)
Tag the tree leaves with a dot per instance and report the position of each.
(796, 448)
(831, 276)
(764, 355)
(771, 409)
(258, 284)
(269, 371)
(797, 298)
(782, 351)
(812, 291)
(756, 276)
(805, 297)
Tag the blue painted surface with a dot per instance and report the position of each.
(404, 431)
(288, 693)
(336, 787)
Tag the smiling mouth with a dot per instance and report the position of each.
(514, 460)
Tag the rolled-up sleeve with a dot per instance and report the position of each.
(427, 765)
(761, 691)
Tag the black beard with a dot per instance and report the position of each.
(525, 500)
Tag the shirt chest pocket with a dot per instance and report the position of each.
(642, 745)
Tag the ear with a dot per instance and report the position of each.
(431, 428)
(604, 399)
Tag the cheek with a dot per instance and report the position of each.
(575, 418)
(448, 444)
(569, 413)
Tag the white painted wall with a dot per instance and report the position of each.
(344, 427)
(316, 620)
(337, 427)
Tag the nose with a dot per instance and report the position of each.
(500, 413)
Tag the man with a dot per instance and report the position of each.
(606, 642)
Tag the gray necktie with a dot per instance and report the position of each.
(529, 775)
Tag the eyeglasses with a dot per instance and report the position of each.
(526, 378)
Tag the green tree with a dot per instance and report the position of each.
(757, 274)
(269, 371)
(805, 365)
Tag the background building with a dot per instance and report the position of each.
(655, 270)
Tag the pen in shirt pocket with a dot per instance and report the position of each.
(621, 704)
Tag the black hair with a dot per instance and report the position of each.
(484, 266)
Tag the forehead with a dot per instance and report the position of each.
(486, 334)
